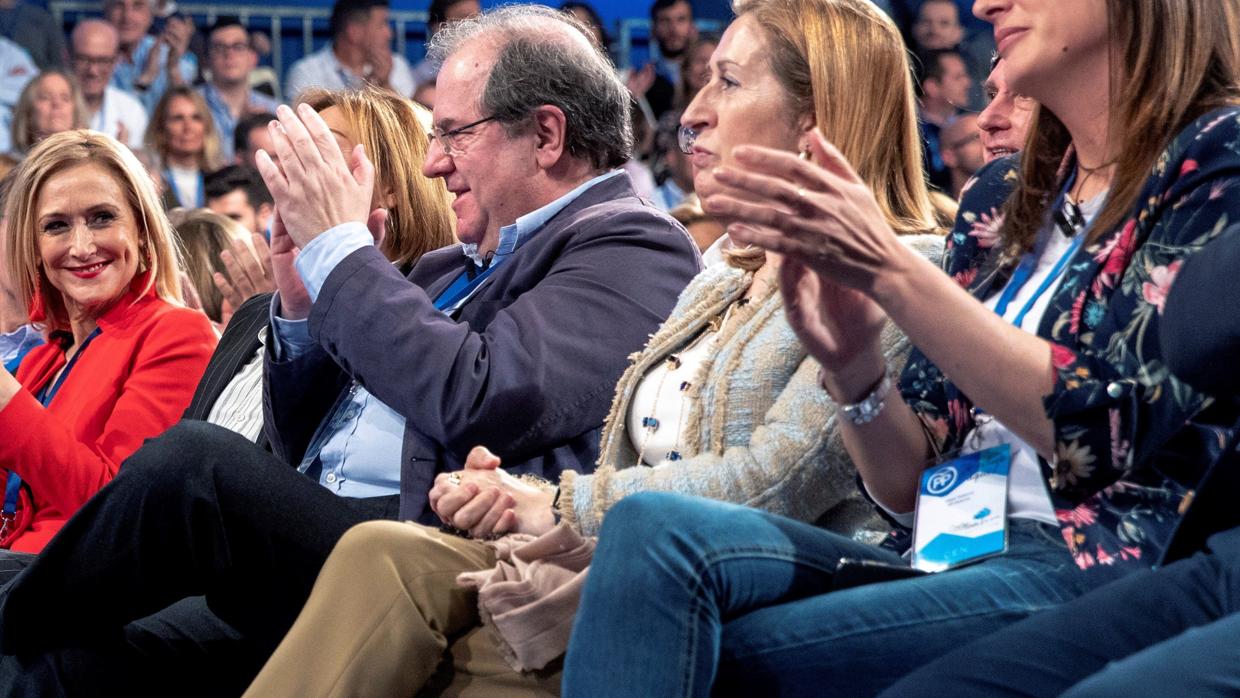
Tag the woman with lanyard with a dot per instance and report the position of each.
(1076, 472)
(182, 133)
(93, 257)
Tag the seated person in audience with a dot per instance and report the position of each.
(960, 146)
(481, 344)
(723, 402)
(203, 236)
(1171, 631)
(439, 14)
(238, 192)
(228, 94)
(51, 103)
(360, 53)
(251, 136)
(182, 135)
(695, 68)
(149, 65)
(17, 335)
(109, 109)
(93, 257)
(944, 94)
(30, 24)
(1005, 120)
(419, 221)
(1061, 360)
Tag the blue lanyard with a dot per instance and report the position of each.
(13, 486)
(1024, 271)
(461, 288)
(200, 194)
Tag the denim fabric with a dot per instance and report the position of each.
(1169, 632)
(685, 594)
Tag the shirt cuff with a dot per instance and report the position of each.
(321, 255)
(289, 338)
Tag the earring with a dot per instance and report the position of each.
(804, 153)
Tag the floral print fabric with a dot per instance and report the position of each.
(1131, 439)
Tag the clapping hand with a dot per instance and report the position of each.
(249, 272)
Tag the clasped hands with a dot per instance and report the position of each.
(486, 502)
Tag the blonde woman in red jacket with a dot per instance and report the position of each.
(92, 255)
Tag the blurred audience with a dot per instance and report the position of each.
(439, 14)
(49, 104)
(110, 110)
(183, 137)
(359, 53)
(148, 65)
(960, 146)
(251, 136)
(944, 93)
(237, 192)
(34, 29)
(695, 68)
(231, 58)
(586, 14)
(17, 335)
(203, 235)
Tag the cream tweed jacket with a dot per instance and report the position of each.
(761, 433)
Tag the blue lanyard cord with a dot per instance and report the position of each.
(1024, 271)
(200, 194)
(461, 288)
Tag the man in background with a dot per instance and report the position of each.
(237, 192)
(113, 111)
(142, 68)
(360, 52)
(961, 148)
(231, 57)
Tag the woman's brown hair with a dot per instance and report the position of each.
(393, 130)
(1170, 61)
(24, 136)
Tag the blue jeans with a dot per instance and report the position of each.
(1170, 632)
(686, 594)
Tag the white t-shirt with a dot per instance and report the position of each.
(119, 108)
(185, 185)
(322, 69)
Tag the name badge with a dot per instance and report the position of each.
(961, 513)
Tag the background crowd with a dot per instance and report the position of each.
(509, 370)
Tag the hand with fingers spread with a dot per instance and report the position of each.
(249, 271)
(314, 187)
(486, 501)
(819, 213)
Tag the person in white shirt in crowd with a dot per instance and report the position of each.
(143, 66)
(231, 57)
(360, 52)
(440, 13)
(49, 104)
(111, 110)
(182, 135)
(16, 69)
(1005, 120)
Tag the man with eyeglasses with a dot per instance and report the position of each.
(112, 110)
(231, 57)
(513, 339)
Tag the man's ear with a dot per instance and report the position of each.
(550, 129)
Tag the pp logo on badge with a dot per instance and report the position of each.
(942, 480)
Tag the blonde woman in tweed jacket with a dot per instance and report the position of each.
(723, 402)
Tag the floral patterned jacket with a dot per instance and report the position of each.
(1131, 440)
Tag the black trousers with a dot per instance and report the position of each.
(198, 512)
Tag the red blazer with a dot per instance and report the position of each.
(131, 384)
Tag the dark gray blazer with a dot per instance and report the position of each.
(527, 366)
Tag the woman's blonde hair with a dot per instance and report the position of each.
(204, 234)
(1170, 61)
(844, 62)
(156, 137)
(393, 130)
(23, 129)
(160, 260)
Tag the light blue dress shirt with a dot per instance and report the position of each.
(17, 343)
(359, 444)
(126, 73)
(225, 124)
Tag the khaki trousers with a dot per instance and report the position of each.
(386, 618)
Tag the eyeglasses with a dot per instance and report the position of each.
(94, 61)
(685, 138)
(238, 47)
(447, 139)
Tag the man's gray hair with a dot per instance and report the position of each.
(544, 56)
